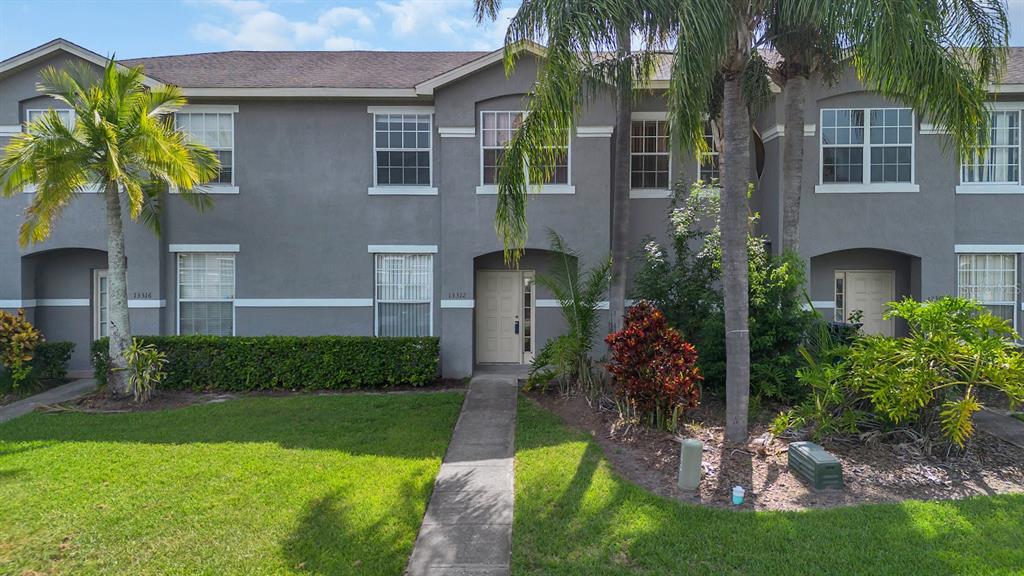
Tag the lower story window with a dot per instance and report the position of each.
(991, 279)
(206, 294)
(404, 294)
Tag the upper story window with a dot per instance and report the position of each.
(867, 145)
(708, 170)
(215, 130)
(206, 293)
(1001, 162)
(66, 116)
(991, 279)
(401, 149)
(404, 294)
(649, 154)
(496, 130)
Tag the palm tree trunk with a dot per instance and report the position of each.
(735, 169)
(118, 325)
(793, 161)
(620, 191)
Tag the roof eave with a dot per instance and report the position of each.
(52, 46)
(426, 88)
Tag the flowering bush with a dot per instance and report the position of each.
(18, 339)
(655, 370)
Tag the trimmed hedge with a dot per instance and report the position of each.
(268, 362)
(49, 363)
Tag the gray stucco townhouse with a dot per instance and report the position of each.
(356, 196)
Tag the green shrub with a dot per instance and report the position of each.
(927, 382)
(50, 360)
(566, 358)
(687, 288)
(291, 362)
(145, 369)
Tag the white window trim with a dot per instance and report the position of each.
(402, 189)
(491, 189)
(715, 153)
(374, 301)
(866, 186)
(642, 193)
(999, 187)
(31, 188)
(177, 292)
(402, 249)
(456, 131)
(29, 111)
(230, 110)
(96, 276)
(988, 248)
(594, 131)
(663, 116)
(1016, 281)
(231, 248)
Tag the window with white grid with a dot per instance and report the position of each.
(496, 130)
(215, 130)
(867, 145)
(402, 149)
(66, 116)
(1001, 161)
(708, 170)
(206, 294)
(649, 154)
(404, 294)
(991, 279)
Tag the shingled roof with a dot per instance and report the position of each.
(310, 69)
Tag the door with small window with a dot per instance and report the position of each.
(101, 304)
(505, 316)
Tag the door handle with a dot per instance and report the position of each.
(517, 327)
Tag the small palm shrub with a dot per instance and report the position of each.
(145, 369)
(18, 340)
(566, 359)
(655, 371)
(926, 383)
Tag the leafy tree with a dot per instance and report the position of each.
(588, 53)
(123, 140)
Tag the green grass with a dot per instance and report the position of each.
(573, 515)
(301, 485)
(1019, 416)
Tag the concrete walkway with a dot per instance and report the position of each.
(1006, 428)
(62, 393)
(467, 530)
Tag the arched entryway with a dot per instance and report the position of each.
(66, 290)
(858, 283)
(513, 316)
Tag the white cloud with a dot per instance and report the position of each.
(409, 16)
(254, 26)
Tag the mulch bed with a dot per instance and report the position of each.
(101, 401)
(872, 471)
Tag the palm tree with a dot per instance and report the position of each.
(589, 51)
(124, 141)
(818, 42)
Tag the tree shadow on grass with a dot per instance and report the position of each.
(575, 516)
(334, 537)
(406, 426)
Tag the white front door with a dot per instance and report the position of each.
(501, 317)
(869, 291)
(101, 303)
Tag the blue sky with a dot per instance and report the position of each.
(156, 27)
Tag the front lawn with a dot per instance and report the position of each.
(573, 515)
(300, 485)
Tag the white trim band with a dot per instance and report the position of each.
(809, 129)
(59, 302)
(304, 302)
(549, 303)
(988, 248)
(823, 304)
(456, 131)
(17, 304)
(210, 108)
(10, 129)
(877, 188)
(932, 129)
(402, 249)
(640, 193)
(203, 248)
(649, 116)
(147, 303)
(773, 132)
(556, 189)
(400, 109)
(594, 131)
(989, 188)
(458, 304)
(401, 191)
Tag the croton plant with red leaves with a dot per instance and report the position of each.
(654, 368)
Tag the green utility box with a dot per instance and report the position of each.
(815, 465)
